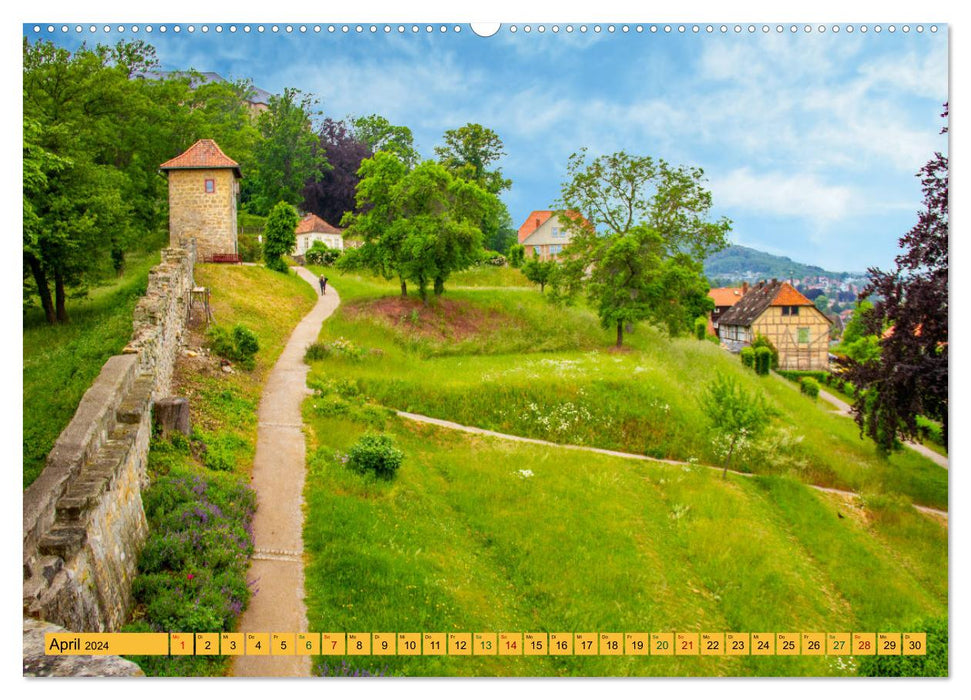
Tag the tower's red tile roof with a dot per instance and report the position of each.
(204, 154)
(312, 223)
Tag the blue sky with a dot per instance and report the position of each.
(810, 141)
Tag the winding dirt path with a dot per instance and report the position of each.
(613, 453)
(845, 409)
(278, 478)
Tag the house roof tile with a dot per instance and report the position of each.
(533, 222)
(758, 299)
(725, 296)
(312, 223)
(204, 154)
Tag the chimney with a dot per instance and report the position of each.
(537, 223)
(775, 281)
(744, 288)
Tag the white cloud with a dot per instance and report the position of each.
(797, 195)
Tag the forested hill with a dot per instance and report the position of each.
(737, 262)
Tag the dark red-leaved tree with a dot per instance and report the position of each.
(909, 315)
(335, 192)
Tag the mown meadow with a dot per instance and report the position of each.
(478, 534)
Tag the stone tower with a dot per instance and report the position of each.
(203, 190)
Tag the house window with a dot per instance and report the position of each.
(555, 249)
(790, 310)
(557, 232)
(803, 335)
(210, 186)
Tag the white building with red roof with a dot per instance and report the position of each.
(312, 229)
(544, 234)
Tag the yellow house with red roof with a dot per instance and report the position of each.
(791, 322)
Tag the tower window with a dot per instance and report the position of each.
(210, 186)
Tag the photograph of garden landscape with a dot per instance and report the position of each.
(568, 329)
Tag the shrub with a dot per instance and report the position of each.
(240, 345)
(336, 348)
(701, 327)
(934, 664)
(497, 259)
(377, 454)
(320, 254)
(517, 253)
(250, 248)
(810, 387)
(762, 342)
(747, 356)
(763, 360)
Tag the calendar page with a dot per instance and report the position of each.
(527, 349)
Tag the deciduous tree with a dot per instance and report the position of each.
(287, 156)
(637, 248)
(910, 317)
(334, 193)
(737, 417)
(381, 135)
(280, 234)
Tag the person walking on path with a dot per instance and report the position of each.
(323, 285)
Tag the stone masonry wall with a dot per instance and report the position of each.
(209, 218)
(84, 524)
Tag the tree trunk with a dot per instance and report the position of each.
(542, 286)
(59, 297)
(439, 286)
(620, 333)
(404, 287)
(171, 414)
(43, 290)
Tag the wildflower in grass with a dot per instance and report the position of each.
(525, 473)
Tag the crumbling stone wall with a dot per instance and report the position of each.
(84, 524)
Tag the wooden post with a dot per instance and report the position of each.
(172, 414)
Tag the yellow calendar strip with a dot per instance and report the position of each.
(110, 644)
(488, 643)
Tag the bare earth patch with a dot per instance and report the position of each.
(441, 320)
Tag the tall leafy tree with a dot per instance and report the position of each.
(419, 225)
(281, 238)
(381, 135)
(334, 193)
(637, 249)
(83, 202)
(908, 377)
(469, 151)
(287, 156)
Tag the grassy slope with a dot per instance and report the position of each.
(547, 375)
(461, 542)
(60, 362)
(268, 303)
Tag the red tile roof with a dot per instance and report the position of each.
(788, 296)
(533, 222)
(312, 223)
(725, 296)
(204, 154)
(540, 217)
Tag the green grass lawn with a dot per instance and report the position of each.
(549, 372)
(61, 361)
(463, 541)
